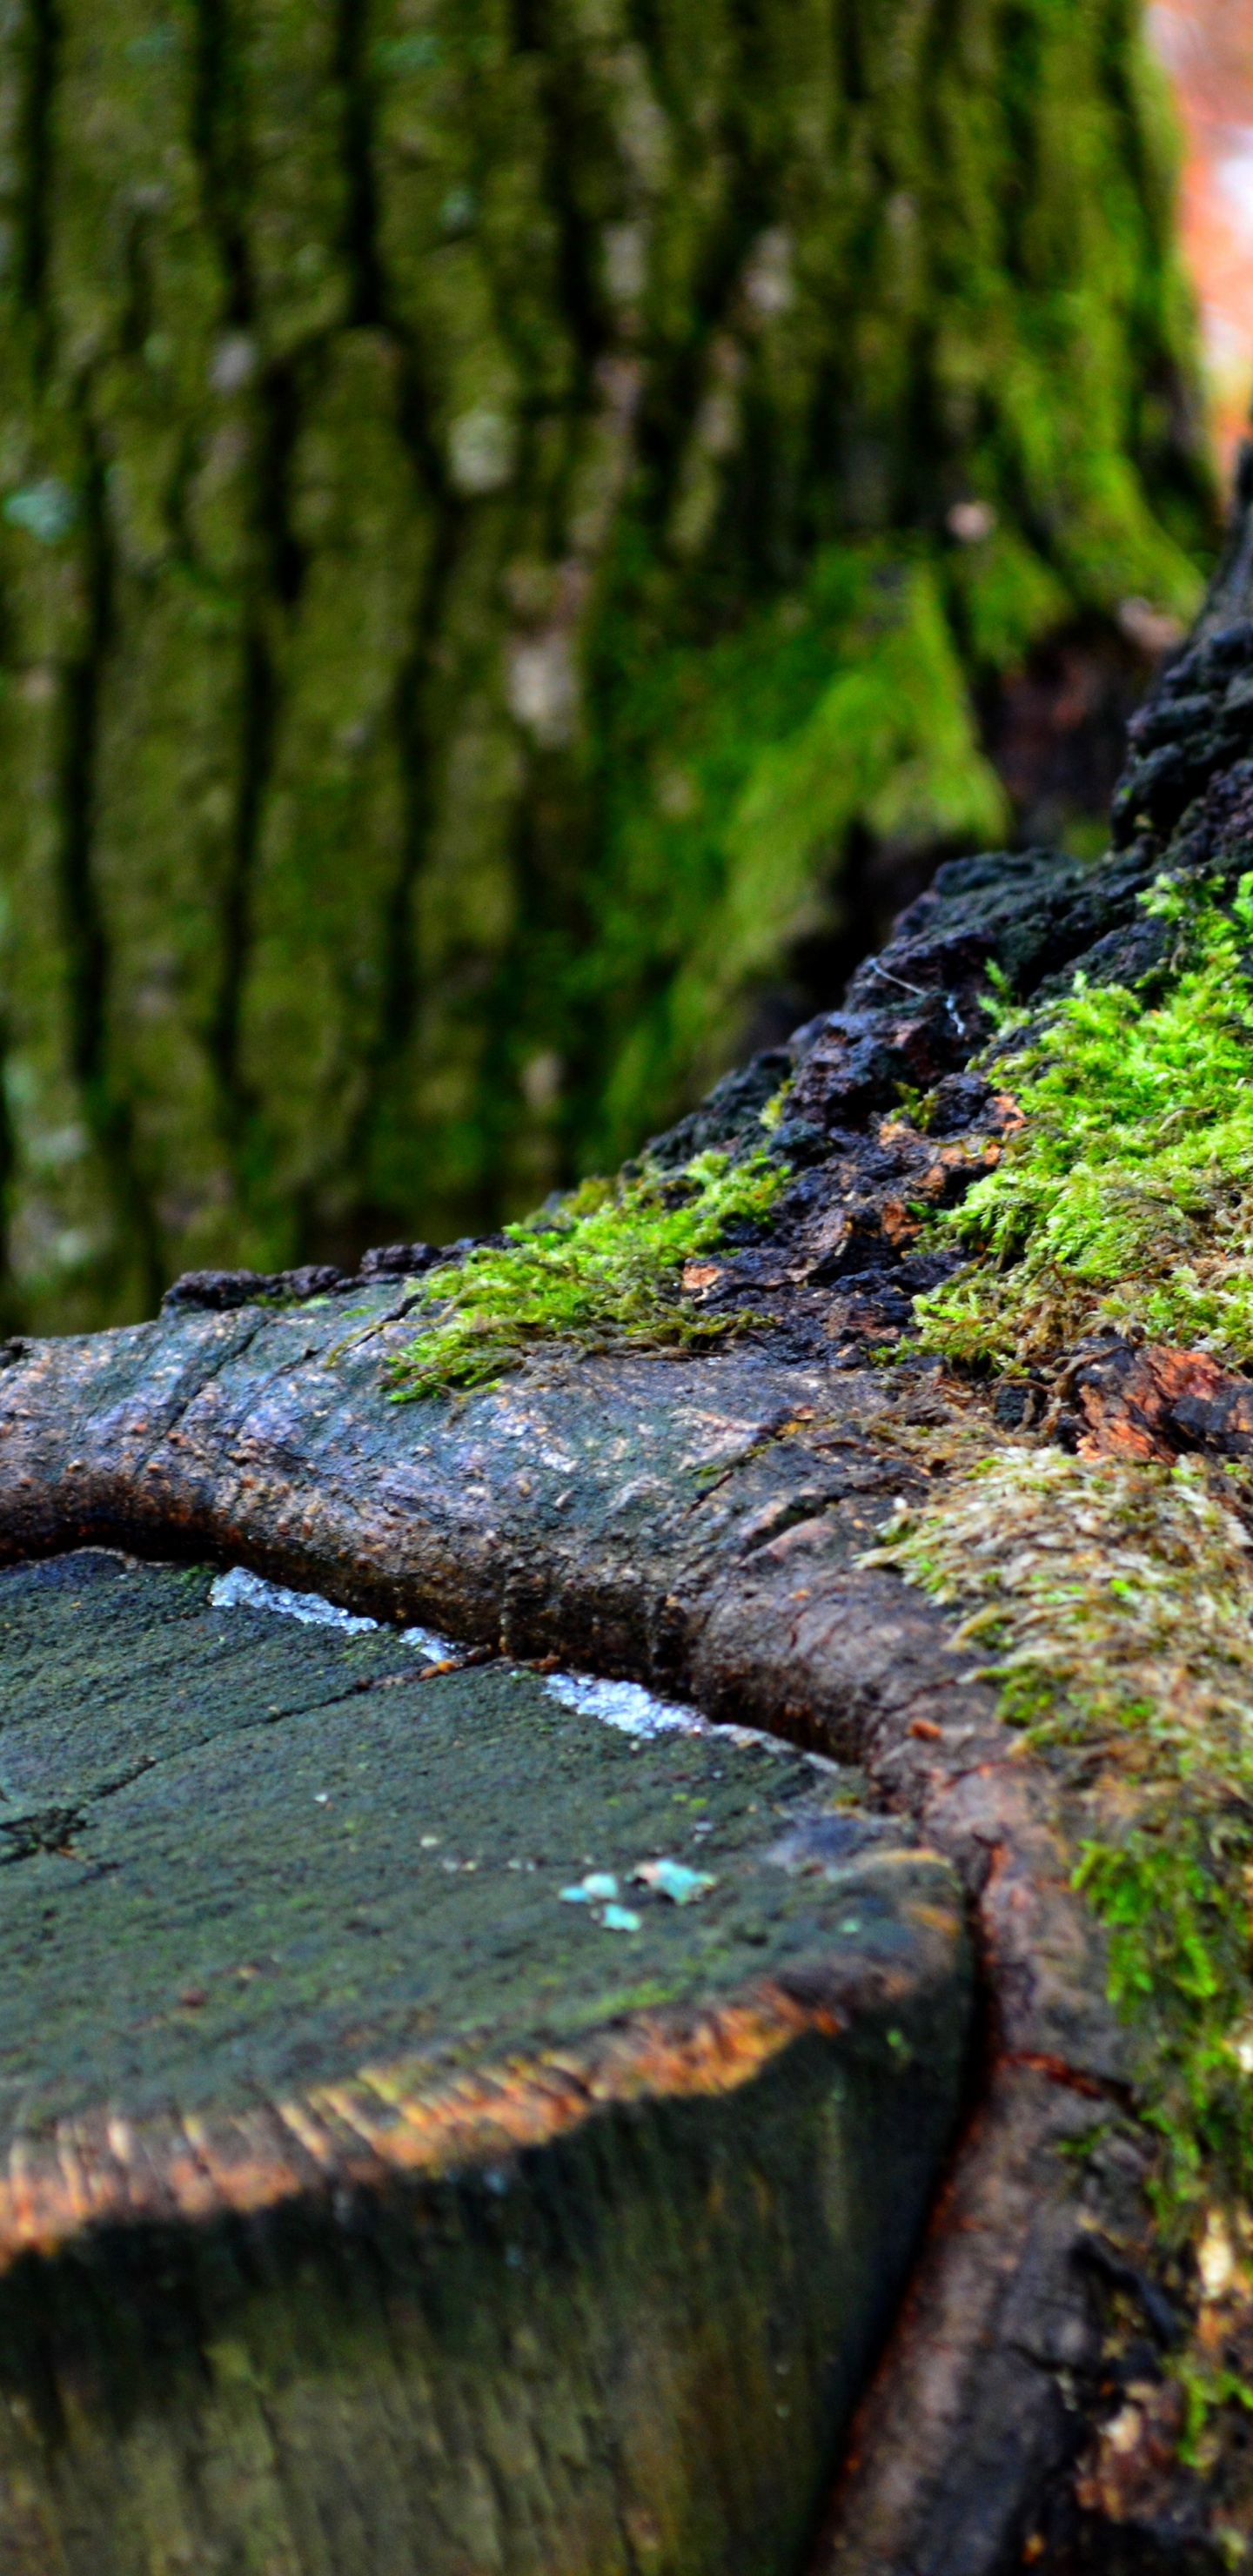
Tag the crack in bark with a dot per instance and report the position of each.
(109, 1113)
(34, 157)
(257, 695)
(361, 246)
(218, 161)
(276, 578)
(37, 1830)
(417, 719)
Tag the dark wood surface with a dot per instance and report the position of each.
(332, 2132)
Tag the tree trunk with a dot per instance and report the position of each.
(497, 504)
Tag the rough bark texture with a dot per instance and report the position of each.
(477, 549)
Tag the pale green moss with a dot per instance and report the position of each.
(775, 1110)
(1005, 598)
(1111, 1603)
(847, 707)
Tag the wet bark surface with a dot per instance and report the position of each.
(697, 1524)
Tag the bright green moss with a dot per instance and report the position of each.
(1005, 599)
(742, 772)
(1127, 1195)
(604, 1270)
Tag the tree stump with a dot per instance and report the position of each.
(443, 2129)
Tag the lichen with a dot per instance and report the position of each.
(604, 1270)
(1126, 1197)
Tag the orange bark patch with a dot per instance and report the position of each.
(1156, 1402)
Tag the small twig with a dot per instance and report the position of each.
(919, 991)
(461, 1663)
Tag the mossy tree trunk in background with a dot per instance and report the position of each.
(494, 500)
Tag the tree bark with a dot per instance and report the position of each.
(478, 548)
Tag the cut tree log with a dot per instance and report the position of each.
(696, 1523)
(368, 2207)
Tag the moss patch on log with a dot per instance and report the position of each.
(1111, 1603)
(1126, 1197)
(605, 1270)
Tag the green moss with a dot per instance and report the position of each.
(1110, 1602)
(1127, 1195)
(1005, 598)
(846, 706)
(775, 1110)
(602, 1271)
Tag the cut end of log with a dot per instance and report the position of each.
(423, 2072)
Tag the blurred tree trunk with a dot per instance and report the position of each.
(496, 501)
